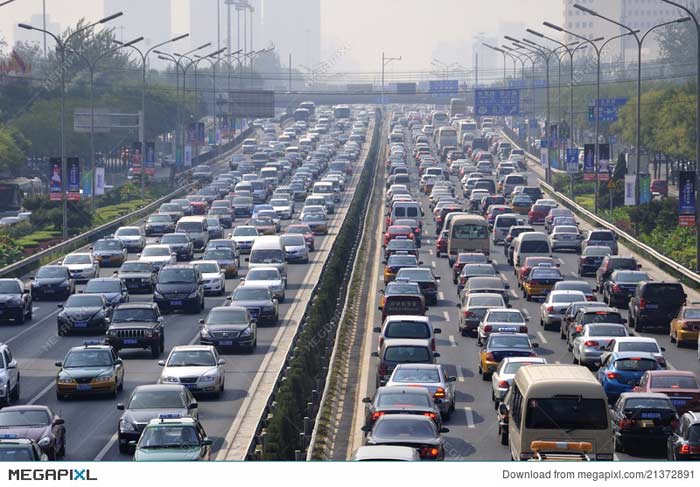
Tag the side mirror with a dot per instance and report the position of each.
(365, 429)
(120, 407)
(503, 409)
(436, 354)
(161, 363)
(118, 361)
(452, 379)
(247, 259)
(221, 362)
(663, 349)
(59, 421)
(201, 321)
(437, 330)
(58, 364)
(377, 329)
(375, 354)
(535, 345)
(444, 430)
(59, 306)
(206, 442)
(510, 306)
(194, 405)
(366, 400)
(507, 286)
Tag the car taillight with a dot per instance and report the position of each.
(433, 345)
(417, 230)
(523, 329)
(684, 450)
(591, 343)
(490, 357)
(550, 309)
(612, 375)
(430, 415)
(642, 303)
(377, 414)
(429, 452)
(382, 369)
(626, 423)
(503, 384)
(467, 314)
(488, 328)
(439, 393)
(579, 328)
(616, 289)
(411, 236)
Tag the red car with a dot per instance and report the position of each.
(538, 213)
(681, 386)
(398, 231)
(441, 244)
(524, 270)
(199, 205)
(305, 230)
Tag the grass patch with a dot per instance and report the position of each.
(109, 213)
(587, 201)
(36, 238)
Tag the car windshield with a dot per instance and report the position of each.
(469, 231)
(415, 274)
(505, 317)
(694, 434)
(602, 317)
(402, 288)
(271, 256)
(108, 245)
(95, 286)
(423, 376)
(648, 403)
(159, 219)
(156, 399)
(134, 314)
(245, 232)
(692, 313)
(244, 293)
(512, 367)
(128, 232)
(631, 277)
(77, 259)
(219, 211)
(636, 364)
(24, 418)
(509, 341)
(568, 413)
(171, 436)
(596, 251)
(174, 238)
(312, 217)
(228, 316)
(407, 354)
(407, 429)
(135, 267)
(400, 399)
(83, 301)
(674, 382)
(565, 229)
(607, 331)
(565, 298)
(156, 252)
(176, 276)
(263, 275)
(191, 358)
(88, 358)
(52, 273)
(219, 254)
(208, 267)
(636, 346)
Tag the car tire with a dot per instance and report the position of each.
(62, 451)
(60, 397)
(21, 318)
(631, 323)
(30, 313)
(619, 448)
(562, 335)
(155, 350)
(124, 449)
(503, 436)
(14, 394)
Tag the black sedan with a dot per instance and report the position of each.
(138, 276)
(419, 432)
(15, 301)
(181, 244)
(228, 327)
(642, 420)
(36, 423)
(425, 278)
(84, 313)
(52, 282)
(259, 302)
(620, 286)
(591, 258)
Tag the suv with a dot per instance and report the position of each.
(655, 304)
(613, 263)
(9, 376)
(179, 287)
(601, 237)
(137, 325)
(684, 442)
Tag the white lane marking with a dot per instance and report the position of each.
(670, 366)
(433, 264)
(35, 309)
(494, 262)
(470, 417)
(446, 315)
(453, 343)
(460, 376)
(512, 293)
(441, 295)
(105, 449)
(430, 251)
(525, 313)
(428, 241)
(557, 362)
(540, 335)
(46, 389)
(27, 330)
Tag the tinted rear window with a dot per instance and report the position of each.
(534, 246)
(407, 329)
(567, 413)
(663, 292)
(602, 317)
(674, 382)
(397, 399)
(407, 354)
(636, 365)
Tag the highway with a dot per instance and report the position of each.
(474, 426)
(91, 424)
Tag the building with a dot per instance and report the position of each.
(150, 19)
(236, 14)
(34, 37)
(294, 27)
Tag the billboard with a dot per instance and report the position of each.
(73, 182)
(630, 190)
(251, 104)
(686, 198)
(406, 88)
(572, 160)
(195, 133)
(55, 179)
(149, 161)
(589, 162)
(497, 102)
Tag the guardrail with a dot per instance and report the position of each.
(688, 277)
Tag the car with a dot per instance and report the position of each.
(138, 276)
(501, 320)
(655, 304)
(109, 252)
(158, 255)
(681, 386)
(599, 236)
(473, 308)
(180, 244)
(158, 224)
(418, 432)
(464, 258)
(684, 441)
(567, 321)
(284, 207)
(595, 313)
(295, 248)
(513, 232)
(425, 278)
(316, 222)
(576, 285)
(642, 420)
(148, 402)
(540, 281)
(133, 238)
(612, 263)
(401, 350)
(503, 376)
(523, 271)
(371, 453)
(441, 244)
(636, 344)
(82, 266)
(137, 325)
(521, 204)
(620, 286)
(565, 237)
(589, 345)
(400, 246)
(433, 377)
(259, 301)
(400, 399)
(555, 213)
(112, 288)
(554, 306)
(471, 271)
(9, 376)
(620, 372)
(685, 327)
(415, 226)
(591, 258)
(52, 282)
(197, 367)
(244, 236)
(229, 327)
(225, 257)
(35, 423)
(179, 287)
(223, 214)
(214, 279)
(84, 313)
(268, 277)
(89, 370)
(159, 436)
(396, 262)
(14, 449)
(304, 230)
(214, 227)
(501, 345)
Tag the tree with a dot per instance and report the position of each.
(12, 149)
(678, 44)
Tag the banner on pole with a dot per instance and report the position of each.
(55, 179)
(589, 162)
(603, 162)
(629, 190)
(686, 198)
(73, 179)
(188, 156)
(544, 157)
(149, 161)
(644, 189)
(99, 181)
(572, 160)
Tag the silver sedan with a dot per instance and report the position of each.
(554, 307)
(431, 376)
(502, 378)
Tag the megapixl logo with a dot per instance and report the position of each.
(50, 474)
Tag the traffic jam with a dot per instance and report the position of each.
(508, 328)
(139, 345)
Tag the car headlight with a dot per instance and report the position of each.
(2, 380)
(205, 331)
(170, 380)
(44, 442)
(157, 295)
(126, 427)
(192, 295)
(65, 380)
(208, 378)
(246, 333)
(104, 378)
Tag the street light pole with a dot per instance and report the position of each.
(213, 60)
(62, 46)
(521, 56)
(498, 49)
(385, 62)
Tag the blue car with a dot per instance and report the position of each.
(620, 372)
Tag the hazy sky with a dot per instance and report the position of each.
(413, 29)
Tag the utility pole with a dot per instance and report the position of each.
(290, 72)
(385, 62)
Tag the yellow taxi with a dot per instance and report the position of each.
(685, 327)
(521, 204)
(541, 281)
(89, 370)
(500, 345)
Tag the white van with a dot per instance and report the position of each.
(196, 228)
(502, 224)
(530, 244)
(562, 403)
(268, 251)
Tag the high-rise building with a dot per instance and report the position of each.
(150, 19)
(294, 27)
(245, 20)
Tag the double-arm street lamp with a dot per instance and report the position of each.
(62, 47)
(213, 59)
(498, 49)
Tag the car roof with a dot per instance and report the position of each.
(137, 305)
(398, 342)
(181, 348)
(627, 355)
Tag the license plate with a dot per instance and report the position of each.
(651, 415)
(80, 324)
(176, 303)
(647, 423)
(507, 329)
(49, 291)
(191, 386)
(567, 237)
(652, 306)
(84, 387)
(130, 341)
(678, 402)
(226, 343)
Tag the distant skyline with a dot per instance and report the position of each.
(361, 29)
